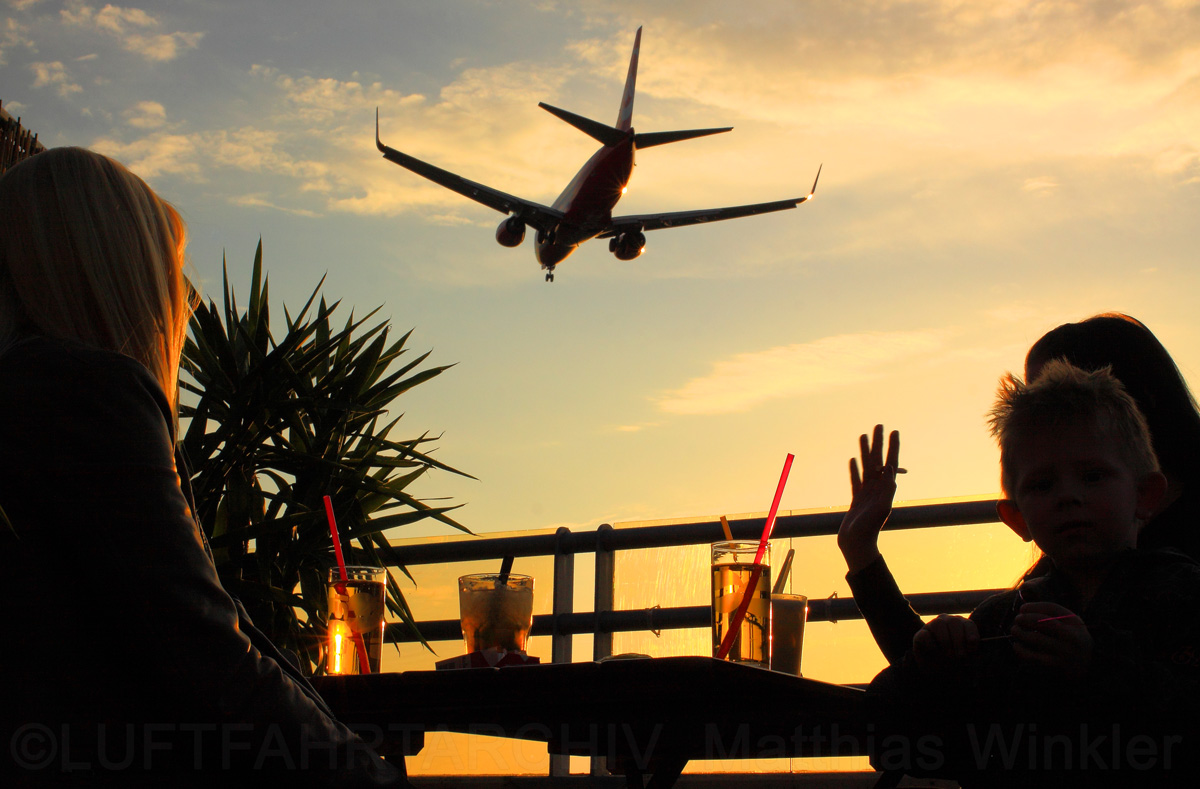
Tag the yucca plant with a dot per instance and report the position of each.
(274, 426)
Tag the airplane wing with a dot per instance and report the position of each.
(535, 214)
(621, 224)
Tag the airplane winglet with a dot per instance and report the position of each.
(813, 191)
(378, 144)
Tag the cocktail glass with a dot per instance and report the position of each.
(732, 571)
(496, 614)
(356, 608)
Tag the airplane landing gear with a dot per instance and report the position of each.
(550, 277)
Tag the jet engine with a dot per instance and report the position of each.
(511, 232)
(627, 246)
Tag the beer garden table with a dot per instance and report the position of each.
(648, 716)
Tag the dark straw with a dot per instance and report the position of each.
(505, 569)
(783, 572)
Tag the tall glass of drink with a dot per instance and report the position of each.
(356, 608)
(496, 612)
(732, 573)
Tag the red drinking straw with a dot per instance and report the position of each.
(732, 633)
(360, 646)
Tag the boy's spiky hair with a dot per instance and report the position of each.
(1064, 394)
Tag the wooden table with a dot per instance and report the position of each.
(647, 716)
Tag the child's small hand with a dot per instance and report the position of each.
(871, 501)
(1054, 638)
(944, 643)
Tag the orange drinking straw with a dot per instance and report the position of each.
(734, 626)
(360, 646)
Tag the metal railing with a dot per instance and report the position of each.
(602, 621)
(16, 142)
(604, 541)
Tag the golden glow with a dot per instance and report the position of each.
(340, 648)
(624, 189)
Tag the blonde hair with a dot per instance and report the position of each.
(1064, 394)
(89, 252)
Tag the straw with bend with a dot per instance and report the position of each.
(736, 624)
(360, 646)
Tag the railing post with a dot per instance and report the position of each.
(606, 570)
(564, 597)
(602, 643)
(560, 642)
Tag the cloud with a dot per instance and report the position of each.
(162, 47)
(134, 28)
(257, 150)
(323, 98)
(118, 20)
(746, 380)
(146, 115)
(157, 154)
(54, 74)
(462, 131)
(194, 155)
(634, 428)
(928, 105)
(260, 201)
(451, 220)
(13, 35)
(1042, 185)
(998, 80)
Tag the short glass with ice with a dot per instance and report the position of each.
(496, 612)
(733, 570)
(356, 607)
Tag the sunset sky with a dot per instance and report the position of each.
(991, 170)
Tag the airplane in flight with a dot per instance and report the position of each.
(584, 209)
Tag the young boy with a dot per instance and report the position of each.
(1087, 675)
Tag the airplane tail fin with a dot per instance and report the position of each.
(611, 135)
(625, 115)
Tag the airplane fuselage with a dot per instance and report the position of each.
(588, 201)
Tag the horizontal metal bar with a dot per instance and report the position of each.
(696, 616)
(698, 532)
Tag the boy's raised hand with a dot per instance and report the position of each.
(944, 642)
(871, 500)
(1054, 638)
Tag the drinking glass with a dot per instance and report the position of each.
(356, 607)
(733, 570)
(495, 615)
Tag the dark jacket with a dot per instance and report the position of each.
(1131, 719)
(124, 658)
